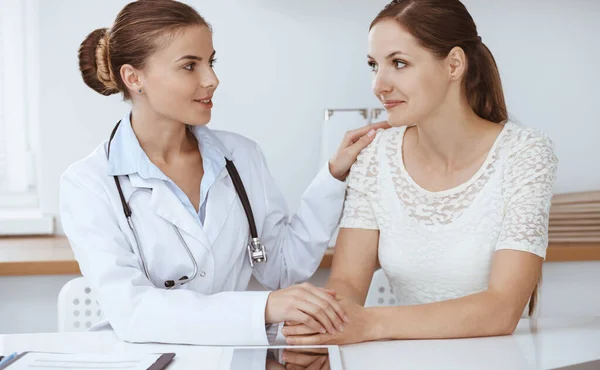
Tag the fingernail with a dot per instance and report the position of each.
(346, 318)
(371, 133)
(341, 328)
(332, 331)
(323, 331)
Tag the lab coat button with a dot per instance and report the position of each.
(202, 274)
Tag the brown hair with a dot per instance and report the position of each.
(441, 25)
(140, 28)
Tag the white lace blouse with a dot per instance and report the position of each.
(435, 246)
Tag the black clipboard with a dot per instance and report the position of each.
(160, 364)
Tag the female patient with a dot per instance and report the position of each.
(453, 200)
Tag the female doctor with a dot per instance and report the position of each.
(169, 219)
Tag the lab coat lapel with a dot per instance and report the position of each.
(166, 205)
(219, 203)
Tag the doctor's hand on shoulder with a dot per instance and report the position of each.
(353, 142)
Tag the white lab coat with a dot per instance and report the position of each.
(213, 309)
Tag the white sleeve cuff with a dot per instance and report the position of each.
(258, 318)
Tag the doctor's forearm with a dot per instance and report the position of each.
(477, 315)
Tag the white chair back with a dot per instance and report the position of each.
(380, 291)
(78, 308)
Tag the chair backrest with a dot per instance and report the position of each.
(380, 291)
(78, 308)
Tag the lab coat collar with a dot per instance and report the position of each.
(166, 205)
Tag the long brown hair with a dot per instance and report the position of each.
(439, 26)
(140, 28)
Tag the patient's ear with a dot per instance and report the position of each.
(457, 63)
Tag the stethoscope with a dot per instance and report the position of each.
(256, 251)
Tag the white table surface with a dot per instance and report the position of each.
(536, 344)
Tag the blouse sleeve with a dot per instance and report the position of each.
(358, 210)
(528, 184)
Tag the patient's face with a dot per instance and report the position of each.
(407, 78)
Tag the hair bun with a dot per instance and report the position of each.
(94, 63)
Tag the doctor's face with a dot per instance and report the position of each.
(179, 80)
(408, 79)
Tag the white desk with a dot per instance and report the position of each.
(548, 344)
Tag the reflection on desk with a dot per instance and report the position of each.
(318, 358)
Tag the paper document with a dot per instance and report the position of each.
(53, 361)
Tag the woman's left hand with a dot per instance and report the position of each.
(353, 142)
(361, 328)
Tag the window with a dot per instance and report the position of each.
(19, 201)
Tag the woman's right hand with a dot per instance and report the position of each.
(315, 307)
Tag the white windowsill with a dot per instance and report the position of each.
(25, 222)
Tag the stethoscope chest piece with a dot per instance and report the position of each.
(256, 252)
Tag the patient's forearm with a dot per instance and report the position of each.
(346, 290)
(477, 315)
